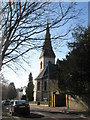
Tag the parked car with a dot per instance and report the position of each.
(6, 102)
(19, 107)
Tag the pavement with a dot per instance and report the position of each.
(56, 109)
(62, 110)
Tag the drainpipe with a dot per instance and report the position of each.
(48, 84)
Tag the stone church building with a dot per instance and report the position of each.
(46, 81)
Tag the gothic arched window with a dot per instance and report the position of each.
(41, 65)
(45, 85)
(38, 86)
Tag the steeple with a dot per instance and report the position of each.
(47, 54)
(47, 50)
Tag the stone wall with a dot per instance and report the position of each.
(77, 104)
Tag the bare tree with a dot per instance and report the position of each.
(24, 22)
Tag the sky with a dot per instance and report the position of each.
(21, 78)
(89, 13)
(52, 0)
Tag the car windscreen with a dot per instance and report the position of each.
(20, 102)
(7, 101)
(11, 102)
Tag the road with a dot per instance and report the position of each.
(44, 113)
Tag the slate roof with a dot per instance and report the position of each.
(47, 47)
(49, 72)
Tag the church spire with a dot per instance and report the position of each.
(47, 50)
(47, 36)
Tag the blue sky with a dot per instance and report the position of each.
(89, 13)
(21, 78)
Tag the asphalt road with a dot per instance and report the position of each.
(43, 113)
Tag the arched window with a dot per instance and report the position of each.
(45, 85)
(41, 65)
(38, 86)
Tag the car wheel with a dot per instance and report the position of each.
(12, 113)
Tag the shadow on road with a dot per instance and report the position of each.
(31, 115)
(65, 112)
(71, 113)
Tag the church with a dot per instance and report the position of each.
(46, 82)
(48, 69)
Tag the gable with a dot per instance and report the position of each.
(49, 72)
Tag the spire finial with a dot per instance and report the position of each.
(47, 24)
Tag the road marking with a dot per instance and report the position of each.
(6, 117)
(82, 116)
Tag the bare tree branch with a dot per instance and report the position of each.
(23, 24)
